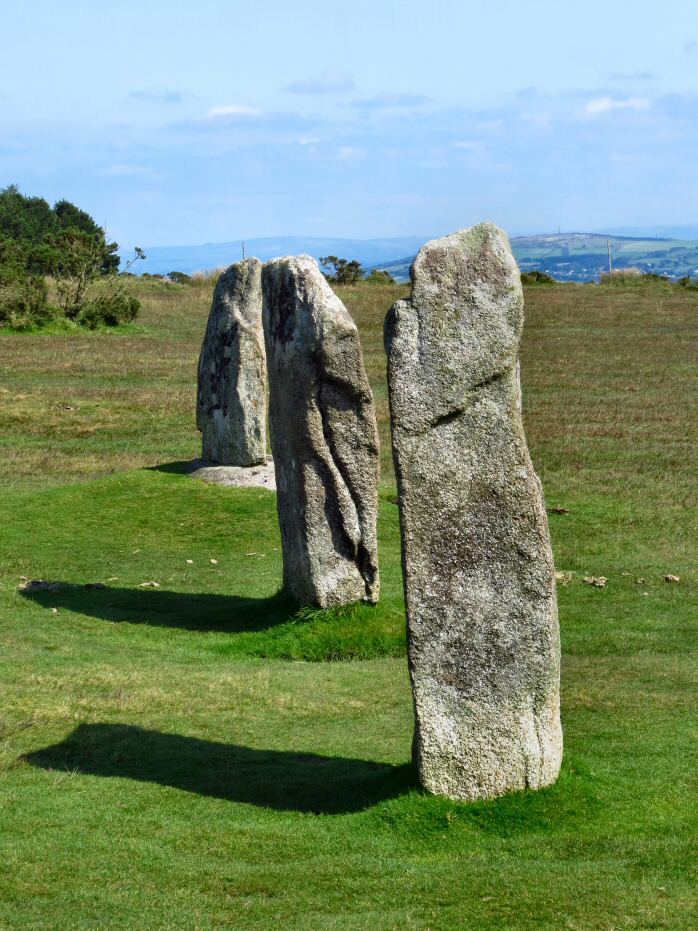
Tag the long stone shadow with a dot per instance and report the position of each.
(269, 778)
(177, 467)
(188, 611)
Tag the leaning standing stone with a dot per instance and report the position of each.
(483, 633)
(231, 409)
(324, 438)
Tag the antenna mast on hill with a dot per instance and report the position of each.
(610, 262)
(243, 250)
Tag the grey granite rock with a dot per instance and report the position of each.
(324, 438)
(483, 635)
(231, 410)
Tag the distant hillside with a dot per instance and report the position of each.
(584, 256)
(370, 252)
(566, 256)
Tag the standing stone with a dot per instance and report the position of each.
(231, 410)
(324, 437)
(483, 636)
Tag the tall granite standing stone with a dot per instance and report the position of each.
(231, 410)
(324, 437)
(483, 637)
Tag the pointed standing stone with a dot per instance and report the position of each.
(324, 437)
(231, 410)
(483, 633)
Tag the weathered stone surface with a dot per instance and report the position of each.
(231, 410)
(259, 476)
(324, 438)
(483, 633)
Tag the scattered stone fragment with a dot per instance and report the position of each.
(232, 400)
(641, 581)
(483, 634)
(214, 562)
(559, 510)
(149, 585)
(672, 578)
(563, 578)
(598, 581)
(323, 433)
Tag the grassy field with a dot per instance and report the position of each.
(199, 754)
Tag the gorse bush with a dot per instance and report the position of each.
(23, 296)
(536, 277)
(379, 276)
(179, 277)
(109, 310)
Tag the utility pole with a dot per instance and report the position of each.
(610, 261)
(243, 250)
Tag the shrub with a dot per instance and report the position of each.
(109, 309)
(620, 277)
(688, 282)
(23, 302)
(23, 296)
(179, 277)
(536, 277)
(379, 276)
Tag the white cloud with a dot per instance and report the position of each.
(328, 82)
(231, 109)
(601, 105)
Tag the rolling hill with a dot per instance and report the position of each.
(565, 256)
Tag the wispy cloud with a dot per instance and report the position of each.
(157, 96)
(385, 101)
(231, 110)
(602, 105)
(328, 82)
(350, 153)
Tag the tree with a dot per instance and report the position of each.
(345, 272)
(31, 221)
(77, 261)
(63, 241)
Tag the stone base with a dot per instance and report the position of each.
(258, 476)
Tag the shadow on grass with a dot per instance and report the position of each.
(180, 467)
(269, 778)
(188, 611)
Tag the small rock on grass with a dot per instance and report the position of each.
(597, 581)
(672, 578)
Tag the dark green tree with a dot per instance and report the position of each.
(341, 271)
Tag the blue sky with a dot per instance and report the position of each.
(179, 122)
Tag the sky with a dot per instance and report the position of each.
(209, 121)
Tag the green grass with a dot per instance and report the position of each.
(201, 754)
